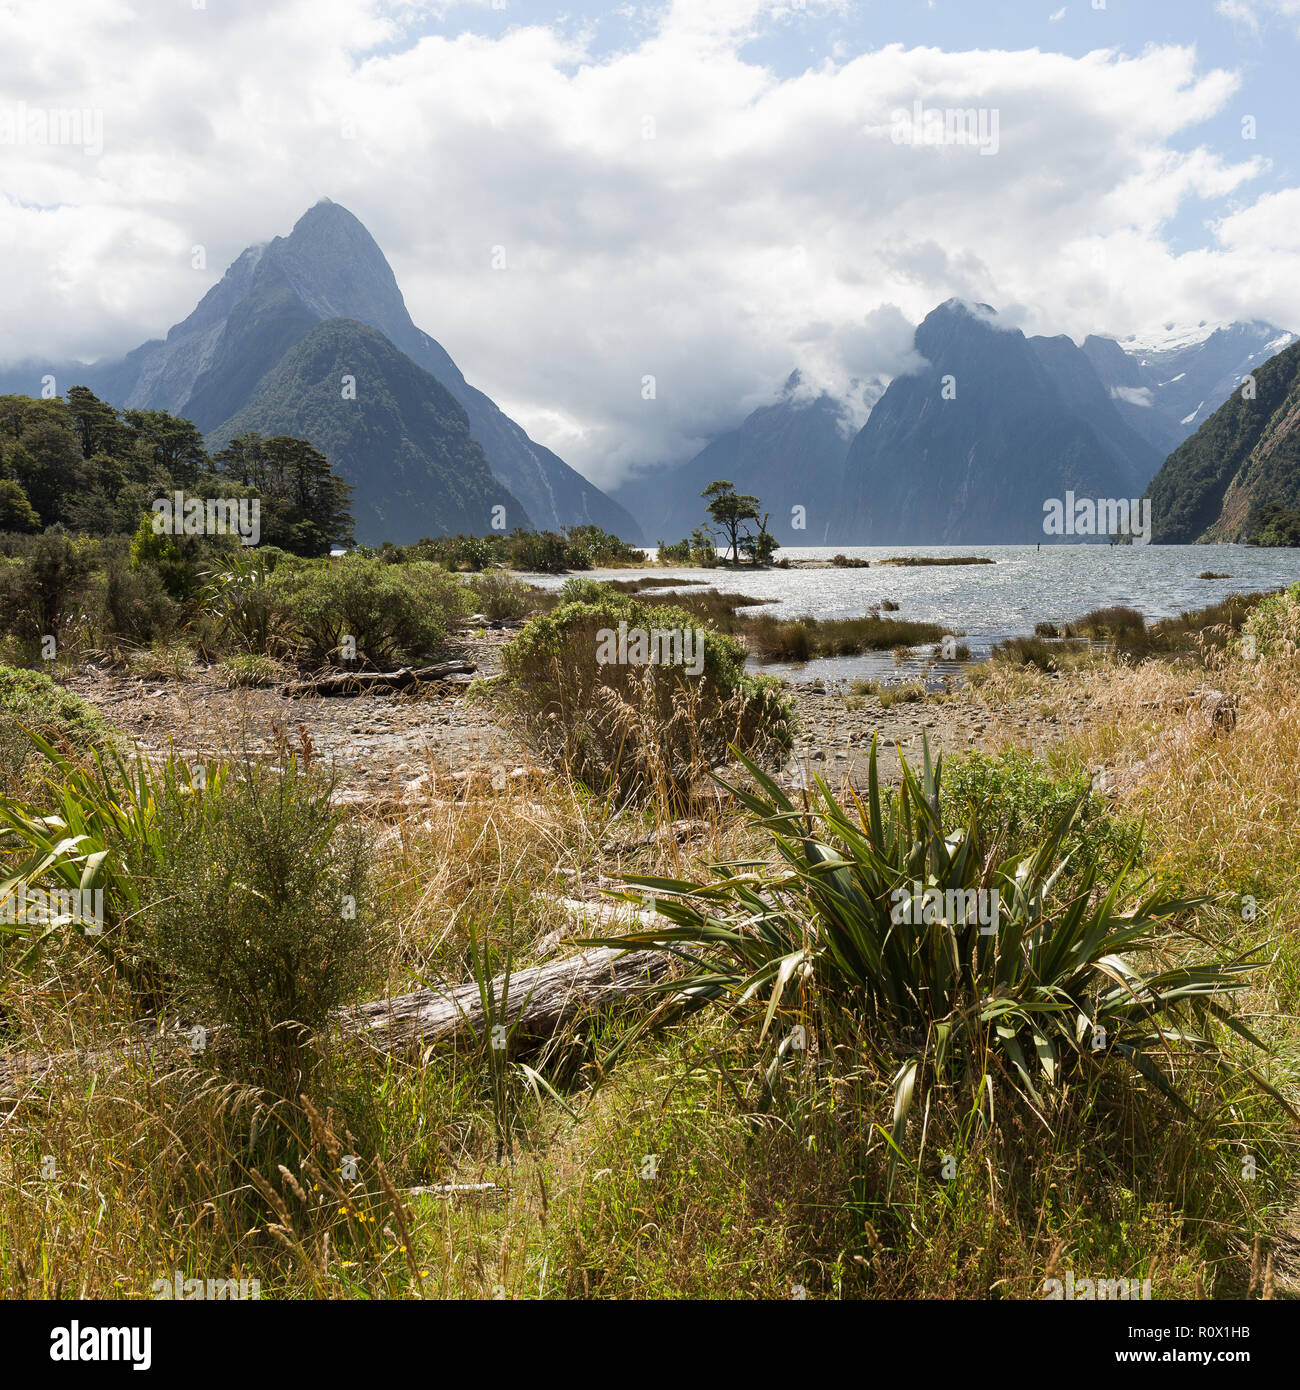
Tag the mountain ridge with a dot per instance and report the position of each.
(211, 363)
(967, 449)
(1245, 456)
(436, 479)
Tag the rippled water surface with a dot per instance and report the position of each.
(987, 603)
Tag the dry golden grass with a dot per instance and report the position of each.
(756, 1192)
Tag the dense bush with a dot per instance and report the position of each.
(45, 593)
(676, 553)
(1020, 795)
(31, 700)
(600, 547)
(581, 589)
(699, 548)
(394, 613)
(630, 727)
(55, 713)
(499, 595)
(542, 552)
(243, 612)
(177, 561)
(1274, 625)
(256, 910)
(132, 604)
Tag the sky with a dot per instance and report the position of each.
(629, 223)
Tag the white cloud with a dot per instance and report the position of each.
(1267, 229)
(1134, 395)
(1057, 16)
(1251, 13)
(767, 224)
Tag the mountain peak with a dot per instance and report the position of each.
(970, 308)
(328, 229)
(326, 212)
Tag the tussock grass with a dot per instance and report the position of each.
(1044, 652)
(248, 670)
(802, 639)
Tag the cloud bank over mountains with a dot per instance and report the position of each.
(628, 248)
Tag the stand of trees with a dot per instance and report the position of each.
(732, 513)
(80, 464)
(1277, 525)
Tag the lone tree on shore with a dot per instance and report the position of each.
(731, 509)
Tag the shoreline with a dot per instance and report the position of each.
(391, 748)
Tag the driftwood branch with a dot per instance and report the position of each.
(364, 682)
(531, 1003)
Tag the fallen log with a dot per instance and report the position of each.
(531, 1004)
(364, 682)
(536, 1002)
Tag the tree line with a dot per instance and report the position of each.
(81, 464)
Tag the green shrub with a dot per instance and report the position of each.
(1274, 625)
(544, 552)
(472, 553)
(1020, 795)
(31, 700)
(581, 589)
(132, 604)
(256, 910)
(242, 610)
(597, 547)
(57, 714)
(500, 596)
(89, 826)
(177, 561)
(630, 727)
(677, 553)
(393, 612)
(45, 594)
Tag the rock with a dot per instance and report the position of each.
(1220, 708)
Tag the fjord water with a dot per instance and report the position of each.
(987, 603)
